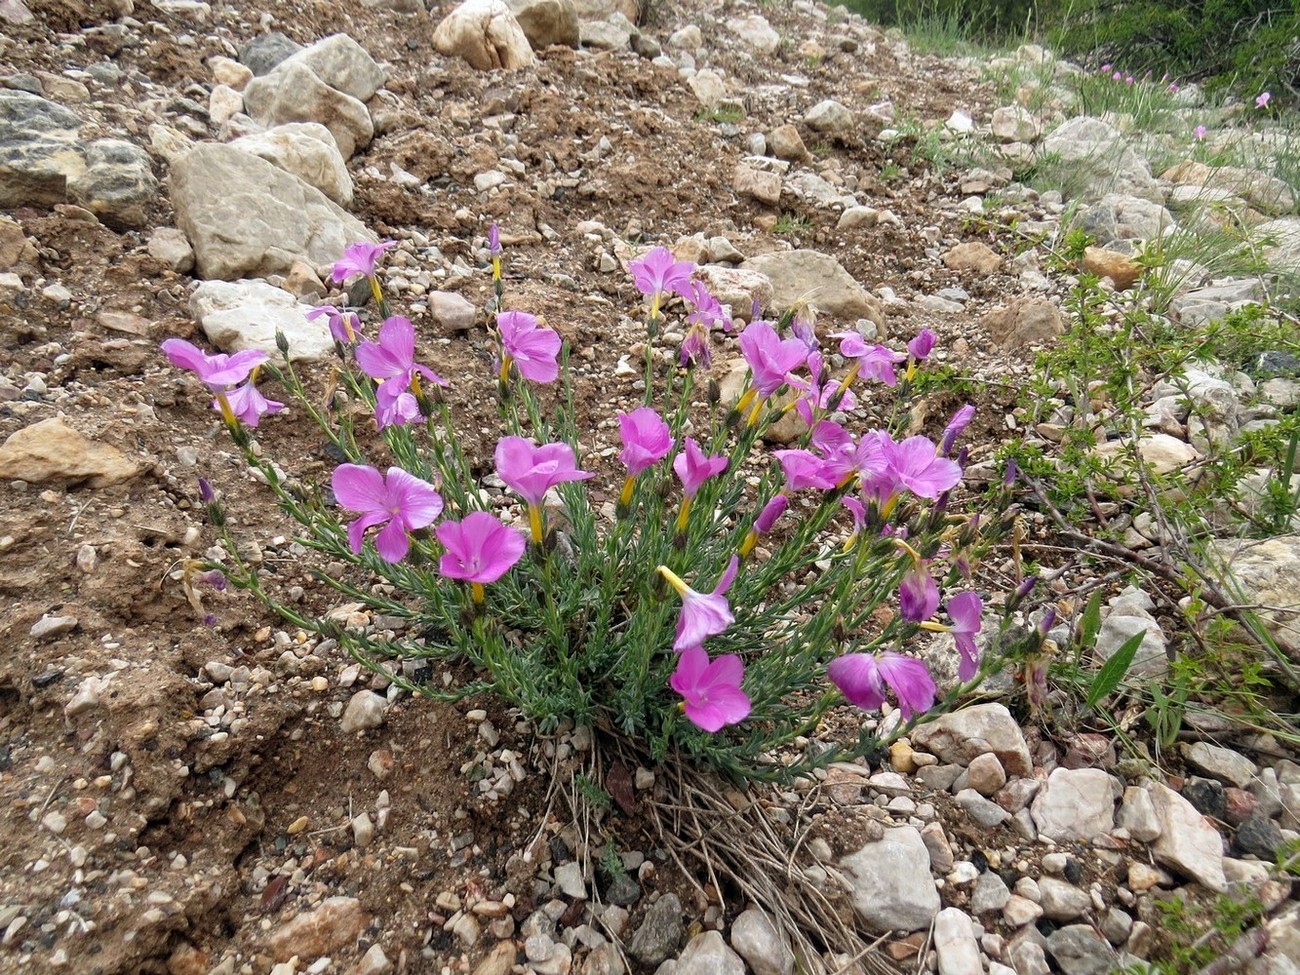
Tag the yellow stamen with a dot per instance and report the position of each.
(683, 515)
(625, 498)
(889, 507)
(504, 376)
(375, 289)
(654, 307)
(674, 580)
(415, 384)
(535, 522)
(227, 413)
(476, 590)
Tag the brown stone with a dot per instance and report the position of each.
(762, 186)
(51, 451)
(972, 256)
(15, 248)
(1025, 321)
(332, 926)
(1120, 268)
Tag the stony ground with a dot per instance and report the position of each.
(224, 795)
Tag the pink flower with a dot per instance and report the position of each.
(772, 511)
(531, 348)
(530, 471)
(708, 311)
(956, 426)
(859, 512)
(711, 691)
(479, 549)
(1116, 76)
(1106, 68)
(862, 679)
(399, 501)
(965, 608)
(694, 468)
(359, 258)
(831, 439)
(820, 391)
(392, 360)
(1199, 132)
(646, 439)
(248, 405)
(345, 326)
(494, 240)
(658, 272)
(218, 371)
(703, 614)
(770, 357)
(1263, 99)
(915, 465)
(918, 596)
(804, 469)
(922, 345)
(875, 361)
(395, 410)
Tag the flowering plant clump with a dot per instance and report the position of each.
(721, 608)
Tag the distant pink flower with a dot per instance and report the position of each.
(704, 614)
(532, 349)
(1199, 132)
(922, 345)
(694, 468)
(918, 596)
(874, 361)
(530, 471)
(1106, 68)
(657, 273)
(399, 501)
(494, 240)
(1128, 79)
(1263, 99)
(804, 469)
(956, 426)
(359, 259)
(218, 371)
(707, 310)
(862, 679)
(1116, 76)
(711, 692)
(345, 326)
(479, 548)
(966, 608)
(1173, 88)
(646, 439)
(391, 361)
(770, 358)
(248, 405)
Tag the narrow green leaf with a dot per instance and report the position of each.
(1091, 624)
(1113, 670)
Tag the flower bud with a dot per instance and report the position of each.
(282, 342)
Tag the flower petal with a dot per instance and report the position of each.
(359, 488)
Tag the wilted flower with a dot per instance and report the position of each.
(918, 595)
(710, 690)
(862, 678)
(345, 326)
(959, 422)
(399, 501)
(922, 344)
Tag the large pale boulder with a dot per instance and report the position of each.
(808, 275)
(486, 34)
(295, 93)
(547, 22)
(1265, 573)
(53, 452)
(238, 315)
(39, 152)
(248, 218)
(1100, 160)
(117, 184)
(308, 151)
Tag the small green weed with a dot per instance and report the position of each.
(792, 224)
(728, 114)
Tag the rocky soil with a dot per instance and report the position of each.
(187, 786)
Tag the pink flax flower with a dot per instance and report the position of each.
(874, 361)
(479, 550)
(1200, 132)
(657, 273)
(914, 464)
(399, 501)
(1263, 98)
(711, 692)
(360, 259)
(704, 614)
(530, 348)
(820, 392)
(248, 405)
(862, 679)
(220, 372)
(530, 471)
(770, 358)
(918, 595)
(858, 511)
(804, 469)
(965, 610)
(646, 441)
(920, 347)
(345, 326)
(694, 468)
(391, 362)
